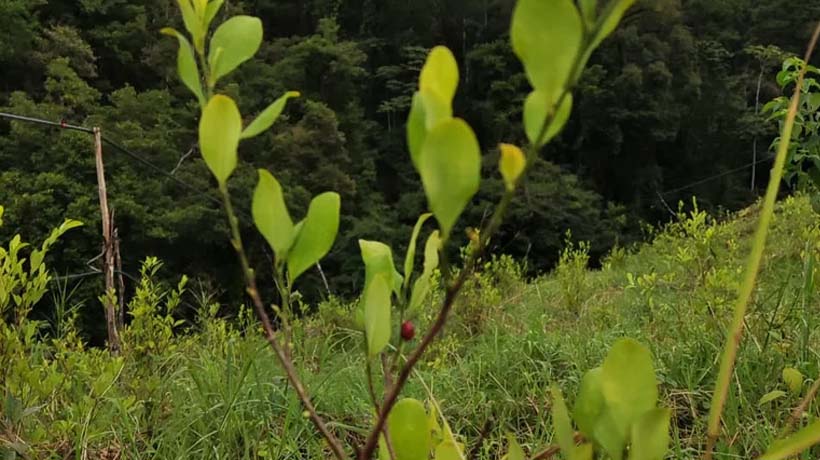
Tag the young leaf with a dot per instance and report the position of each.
(378, 260)
(186, 65)
(316, 236)
(219, 131)
(562, 425)
(416, 128)
(546, 37)
(514, 451)
(794, 444)
(628, 383)
(537, 107)
(609, 435)
(440, 74)
(421, 288)
(189, 17)
(268, 117)
(409, 430)
(377, 310)
(771, 396)
(271, 216)
(436, 109)
(450, 168)
(590, 402)
(409, 258)
(234, 42)
(588, 12)
(511, 164)
(1, 216)
(210, 12)
(448, 450)
(609, 20)
(650, 435)
(793, 378)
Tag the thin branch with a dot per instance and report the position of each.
(797, 413)
(550, 451)
(270, 333)
(375, 400)
(746, 290)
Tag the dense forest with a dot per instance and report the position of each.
(668, 108)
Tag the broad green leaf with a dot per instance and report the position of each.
(416, 128)
(537, 107)
(410, 256)
(650, 435)
(584, 452)
(546, 37)
(440, 74)
(315, 238)
(771, 396)
(794, 444)
(448, 450)
(409, 430)
(190, 19)
(378, 260)
(562, 425)
(628, 383)
(186, 65)
(219, 131)
(793, 378)
(421, 288)
(271, 216)
(514, 450)
(234, 42)
(200, 6)
(268, 117)
(511, 164)
(590, 401)
(377, 310)
(608, 434)
(609, 20)
(450, 168)
(436, 109)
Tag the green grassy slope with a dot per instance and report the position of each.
(219, 393)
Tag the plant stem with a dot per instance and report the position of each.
(753, 267)
(270, 333)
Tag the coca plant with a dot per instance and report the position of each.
(616, 409)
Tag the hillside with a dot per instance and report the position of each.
(212, 391)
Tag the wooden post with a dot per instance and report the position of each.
(108, 249)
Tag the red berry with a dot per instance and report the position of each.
(408, 331)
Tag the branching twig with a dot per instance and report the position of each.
(270, 333)
(753, 266)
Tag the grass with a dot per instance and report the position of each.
(217, 392)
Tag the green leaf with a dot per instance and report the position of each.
(189, 17)
(219, 131)
(416, 128)
(410, 256)
(562, 425)
(771, 396)
(1, 216)
(409, 430)
(234, 42)
(210, 12)
(546, 37)
(436, 109)
(609, 20)
(378, 260)
(584, 452)
(590, 401)
(514, 451)
(440, 74)
(794, 444)
(271, 216)
(608, 434)
(448, 450)
(650, 435)
(450, 168)
(588, 11)
(186, 65)
(511, 164)
(421, 288)
(377, 310)
(537, 107)
(316, 236)
(793, 378)
(268, 117)
(628, 383)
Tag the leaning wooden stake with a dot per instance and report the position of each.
(108, 248)
(120, 280)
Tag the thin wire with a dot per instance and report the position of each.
(716, 176)
(39, 121)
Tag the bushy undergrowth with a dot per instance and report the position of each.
(211, 388)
